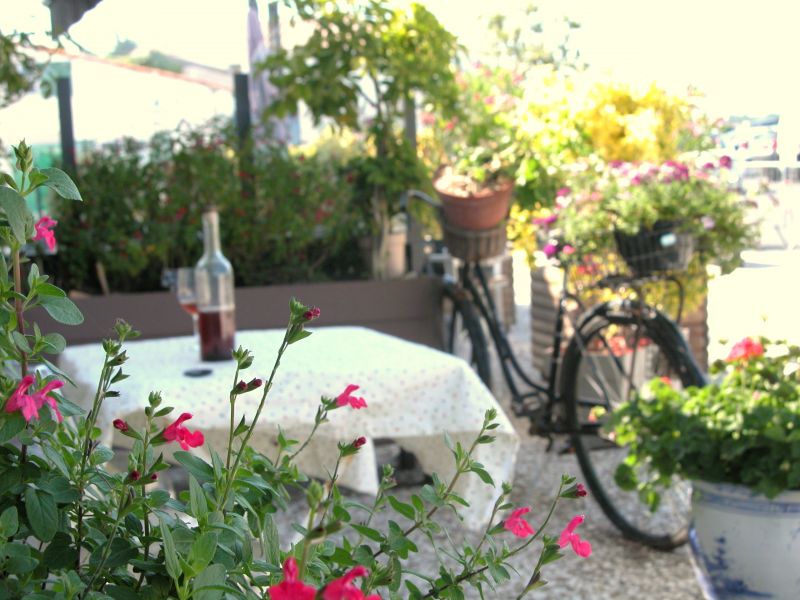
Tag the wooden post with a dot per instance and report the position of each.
(241, 90)
(415, 245)
(64, 92)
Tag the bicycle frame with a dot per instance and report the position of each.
(472, 280)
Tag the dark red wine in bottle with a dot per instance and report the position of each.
(215, 294)
(217, 331)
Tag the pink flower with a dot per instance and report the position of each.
(725, 162)
(746, 348)
(708, 222)
(291, 588)
(29, 404)
(120, 424)
(517, 525)
(311, 313)
(427, 119)
(548, 220)
(550, 250)
(346, 397)
(343, 588)
(567, 249)
(176, 432)
(709, 166)
(358, 442)
(43, 397)
(44, 231)
(564, 191)
(568, 536)
(581, 491)
(22, 401)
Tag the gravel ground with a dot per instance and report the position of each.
(617, 569)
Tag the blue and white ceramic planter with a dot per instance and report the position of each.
(745, 545)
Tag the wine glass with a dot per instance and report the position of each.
(187, 296)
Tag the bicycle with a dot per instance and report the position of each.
(616, 346)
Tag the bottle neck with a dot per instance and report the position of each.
(211, 243)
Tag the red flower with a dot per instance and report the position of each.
(22, 401)
(343, 588)
(725, 162)
(29, 404)
(517, 525)
(311, 313)
(291, 588)
(134, 475)
(44, 227)
(568, 536)
(745, 349)
(121, 425)
(580, 490)
(154, 477)
(178, 433)
(346, 397)
(358, 442)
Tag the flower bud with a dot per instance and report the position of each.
(154, 477)
(358, 442)
(580, 490)
(134, 475)
(121, 425)
(311, 313)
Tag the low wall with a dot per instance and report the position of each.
(407, 308)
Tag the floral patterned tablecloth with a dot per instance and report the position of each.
(414, 394)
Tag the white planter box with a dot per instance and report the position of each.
(745, 545)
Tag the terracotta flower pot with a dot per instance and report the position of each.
(484, 209)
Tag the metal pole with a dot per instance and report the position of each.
(64, 92)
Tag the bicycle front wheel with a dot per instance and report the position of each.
(614, 352)
(463, 333)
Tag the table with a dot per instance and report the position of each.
(414, 394)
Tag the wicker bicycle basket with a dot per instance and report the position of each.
(654, 250)
(474, 245)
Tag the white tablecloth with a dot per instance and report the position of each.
(414, 394)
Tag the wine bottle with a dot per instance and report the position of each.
(215, 295)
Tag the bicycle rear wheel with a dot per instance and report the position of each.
(613, 354)
(463, 333)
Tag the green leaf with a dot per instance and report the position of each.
(170, 553)
(61, 184)
(120, 553)
(9, 523)
(36, 178)
(404, 509)
(42, 513)
(368, 532)
(8, 180)
(21, 342)
(202, 551)
(47, 289)
(101, 455)
(197, 499)
(19, 216)
(54, 343)
(60, 553)
(196, 466)
(299, 334)
(13, 424)
(483, 474)
(212, 575)
(62, 309)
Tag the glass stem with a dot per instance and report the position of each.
(195, 328)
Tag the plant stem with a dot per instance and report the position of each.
(233, 416)
(248, 435)
(107, 549)
(18, 309)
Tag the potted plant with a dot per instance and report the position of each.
(478, 155)
(738, 441)
(676, 216)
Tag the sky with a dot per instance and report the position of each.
(737, 52)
